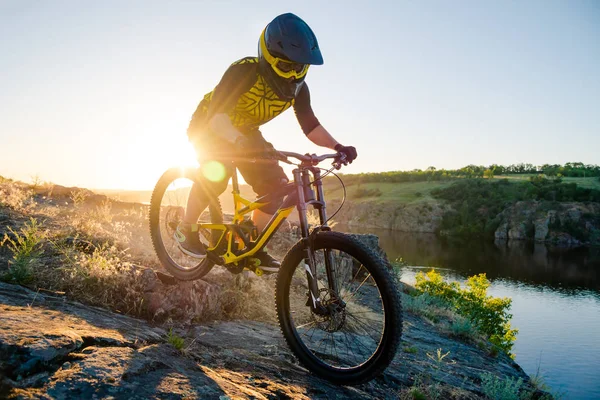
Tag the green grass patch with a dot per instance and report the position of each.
(586, 183)
(409, 192)
(175, 340)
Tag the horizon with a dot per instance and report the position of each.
(99, 95)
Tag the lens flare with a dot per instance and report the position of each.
(214, 171)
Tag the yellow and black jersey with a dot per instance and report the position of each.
(245, 96)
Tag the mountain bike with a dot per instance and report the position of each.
(337, 304)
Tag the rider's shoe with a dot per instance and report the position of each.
(268, 264)
(186, 236)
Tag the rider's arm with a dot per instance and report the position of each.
(310, 125)
(237, 80)
(222, 126)
(321, 137)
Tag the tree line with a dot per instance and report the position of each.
(571, 169)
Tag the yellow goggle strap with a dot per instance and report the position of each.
(274, 60)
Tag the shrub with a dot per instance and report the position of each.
(500, 389)
(477, 203)
(488, 313)
(15, 196)
(463, 328)
(26, 248)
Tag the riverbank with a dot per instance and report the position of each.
(539, 210)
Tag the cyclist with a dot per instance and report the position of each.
(225, 125)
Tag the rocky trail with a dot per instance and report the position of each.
(53, 348)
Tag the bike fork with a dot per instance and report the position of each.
(310, 264)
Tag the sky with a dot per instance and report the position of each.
(99, 94)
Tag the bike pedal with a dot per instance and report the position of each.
(257, 271)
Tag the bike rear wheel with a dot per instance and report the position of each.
(359, 336)
(167, 208)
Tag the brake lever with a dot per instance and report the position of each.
(341, 160)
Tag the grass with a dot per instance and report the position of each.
(410, 349)
(26, 248)
(15, 195)
(175, 340)
(78, 197)
(420, 192)
(409, 192)
(92, 249)
(588, 183)
(438, 357)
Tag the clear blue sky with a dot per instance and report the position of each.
(99, 94)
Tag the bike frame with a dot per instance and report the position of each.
(299, 194)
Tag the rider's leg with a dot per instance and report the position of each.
(261, 219)
(199, 198)
(195, 206)
(265, 178)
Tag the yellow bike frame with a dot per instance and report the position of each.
(243, 207)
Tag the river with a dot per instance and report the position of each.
(555, 299)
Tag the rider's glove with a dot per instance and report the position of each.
(271, 153)
(348, 151)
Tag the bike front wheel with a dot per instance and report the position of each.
(358, 336)
(167, 208)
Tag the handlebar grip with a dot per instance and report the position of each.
(339, 161)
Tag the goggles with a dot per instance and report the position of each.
(284, 68)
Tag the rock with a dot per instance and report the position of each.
(541, 225)
(502, 232)
(411, 217)
(54, 348)
(568, 224)
(179, 300)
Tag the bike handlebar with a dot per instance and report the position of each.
(313, 159)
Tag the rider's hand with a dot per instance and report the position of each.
(348, 151)
(270, 153)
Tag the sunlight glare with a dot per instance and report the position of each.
(214, 171)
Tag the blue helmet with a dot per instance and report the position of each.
(286, 48)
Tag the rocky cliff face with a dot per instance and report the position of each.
(411, 217)
(563, 224)
(569, 224)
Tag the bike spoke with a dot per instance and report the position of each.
(352, 333)
(357, 289)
